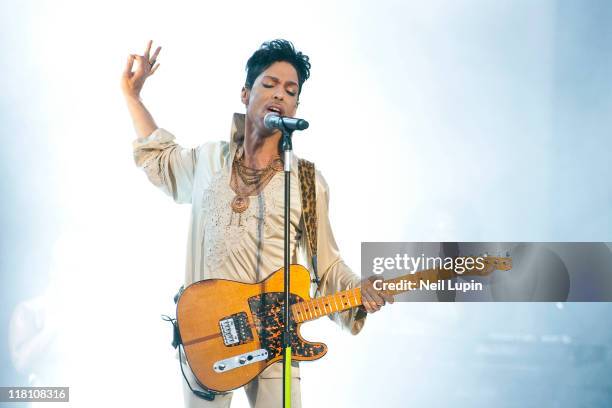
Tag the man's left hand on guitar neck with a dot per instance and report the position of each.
(371, 298)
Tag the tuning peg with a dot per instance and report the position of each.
(507, 254)
(484, 255)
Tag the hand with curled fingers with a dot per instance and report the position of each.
(371, 298)
(133, 81)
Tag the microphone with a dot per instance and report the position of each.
(273, 121)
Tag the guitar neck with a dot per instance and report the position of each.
(338, 302)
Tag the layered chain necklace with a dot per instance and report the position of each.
(246, 181)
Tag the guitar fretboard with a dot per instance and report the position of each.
(318, 307)
(315, 308)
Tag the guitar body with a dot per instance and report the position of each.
(232, 331)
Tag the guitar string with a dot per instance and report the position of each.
(274, 311)
(311, 310)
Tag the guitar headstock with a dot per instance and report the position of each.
(485, 264)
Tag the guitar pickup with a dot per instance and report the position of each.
(235, 329)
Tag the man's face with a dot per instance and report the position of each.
(275, 90)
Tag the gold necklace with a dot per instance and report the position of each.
(253, 180)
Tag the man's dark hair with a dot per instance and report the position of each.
(275, 51)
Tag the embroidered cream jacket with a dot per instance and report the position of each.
(244, 247)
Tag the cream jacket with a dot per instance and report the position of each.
(244, 247)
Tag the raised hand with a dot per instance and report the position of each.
(133, 81)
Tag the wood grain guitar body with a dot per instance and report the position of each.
(232, 331)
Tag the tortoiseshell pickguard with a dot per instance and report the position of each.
(267, 310)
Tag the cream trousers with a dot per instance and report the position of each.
(265, 391)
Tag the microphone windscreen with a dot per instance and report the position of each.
(271, 120)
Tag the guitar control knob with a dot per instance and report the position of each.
(221, 367)
(249, 357)
(242, 360)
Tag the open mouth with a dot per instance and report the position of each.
(275, 109)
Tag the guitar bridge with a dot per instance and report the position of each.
(235, 329)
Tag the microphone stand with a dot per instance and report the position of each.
(287, 148)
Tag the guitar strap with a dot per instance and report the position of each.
(308, 188)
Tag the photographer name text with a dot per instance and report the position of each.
(441, 284)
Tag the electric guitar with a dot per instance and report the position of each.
(232, 331)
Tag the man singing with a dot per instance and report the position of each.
(236, 194)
